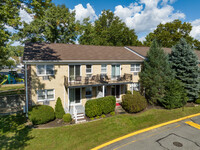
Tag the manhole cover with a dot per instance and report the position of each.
(178, 144)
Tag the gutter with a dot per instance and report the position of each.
(26, 89)
(78, 61)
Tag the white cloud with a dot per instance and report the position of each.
(145, 15)
(195, 33)
(82, 12)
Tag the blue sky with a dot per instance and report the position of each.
(141, 15)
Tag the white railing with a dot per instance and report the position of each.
(75, 113)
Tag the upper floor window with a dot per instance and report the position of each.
(46, 95)
(104, 69)
(135, 67)
(45, 69)
(88, 69)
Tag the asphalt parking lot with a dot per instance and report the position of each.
(183, 135)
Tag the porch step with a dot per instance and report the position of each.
(80, 118)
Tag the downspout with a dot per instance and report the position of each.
(26, 89)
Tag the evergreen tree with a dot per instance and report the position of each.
(175, 95)
(185, 64)
(59, 110)
(156, 72)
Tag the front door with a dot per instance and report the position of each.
(75, 96)
(115, 91)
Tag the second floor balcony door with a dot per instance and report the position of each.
(74, 72)
(115, 71)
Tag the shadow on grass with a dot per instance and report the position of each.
(13, 133)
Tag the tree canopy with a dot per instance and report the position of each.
(108, 29)
(170, 33)
(57, 25)
(9, 17)
(185, 65)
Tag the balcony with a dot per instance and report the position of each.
(96, 80)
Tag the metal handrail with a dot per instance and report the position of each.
(75, 113)
(98, 79)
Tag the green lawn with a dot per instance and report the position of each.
(84, 136)
(18, 89)
(11, 87)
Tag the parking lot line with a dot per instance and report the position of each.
(146, 137)
(195, 125)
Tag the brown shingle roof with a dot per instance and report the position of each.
(143, 50)
(57, 51)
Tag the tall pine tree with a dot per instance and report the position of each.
(185, 64)
(155, 73)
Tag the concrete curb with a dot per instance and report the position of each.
(144, 130)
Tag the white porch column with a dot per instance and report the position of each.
(103, 90)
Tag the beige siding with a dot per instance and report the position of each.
(57, 82)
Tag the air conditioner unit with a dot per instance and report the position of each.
(46, 102)
(45, 77)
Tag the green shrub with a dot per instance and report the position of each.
(197, 101)
(97, 117)
(175, 96)
(112, 113)
(103, 116)
(59, 110)
(128, 92)
(41, 114)
(97, 107)
(67, 118)
(92, 109)
(92, 118)
(133, 103)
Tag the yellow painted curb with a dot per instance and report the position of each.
(195, 125)
(144, 130)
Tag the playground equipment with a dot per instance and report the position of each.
(11, 78)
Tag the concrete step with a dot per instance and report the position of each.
(81, 120)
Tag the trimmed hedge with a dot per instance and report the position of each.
(41, 114)
(59, 110)
(67, 118)
(133, 103)
(97, 107)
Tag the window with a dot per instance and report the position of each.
(135, 67)
(88, 92)
(45, 69)
(88, 69)
(45, 94)
(104, 69)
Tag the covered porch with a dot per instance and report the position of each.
(78, 96)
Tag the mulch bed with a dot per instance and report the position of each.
(52, 124)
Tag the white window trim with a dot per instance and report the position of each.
(106, 69)
(86, 69)
(135, 67)
(45, 70)
(46, 95)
